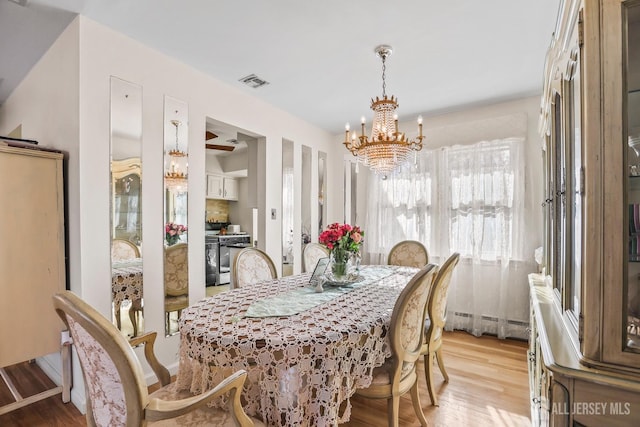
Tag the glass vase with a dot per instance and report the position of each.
(343, 266)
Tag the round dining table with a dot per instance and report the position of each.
(305, 352)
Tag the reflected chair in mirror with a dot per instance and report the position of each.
(252, 265)
(176, 280)
(311, 254)
(115, 384)
(406, 331)
(123, 250)
(434, 323)
(408, 253)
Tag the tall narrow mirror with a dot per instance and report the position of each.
(305, 194)
(126, 204)
(322, 190)
(176, 171)
(287, 208)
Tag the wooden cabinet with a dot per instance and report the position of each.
(587, 357)
(32, 253)
(222, 187)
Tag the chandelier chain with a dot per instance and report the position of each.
(384, 81)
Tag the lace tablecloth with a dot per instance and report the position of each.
(303, 367)
(126, 281)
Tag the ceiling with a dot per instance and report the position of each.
(318, 56)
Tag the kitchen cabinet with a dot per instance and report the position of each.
(222, 187)
(584, 358)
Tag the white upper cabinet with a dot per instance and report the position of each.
(222, 187)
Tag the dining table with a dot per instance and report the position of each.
(126, 281)
(306, 348)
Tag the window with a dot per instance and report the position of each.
(465, 199)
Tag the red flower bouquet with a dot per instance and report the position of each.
(343, 240)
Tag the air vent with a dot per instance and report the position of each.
(253, 81)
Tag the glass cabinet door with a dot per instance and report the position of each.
(632, 151)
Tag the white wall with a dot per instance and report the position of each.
(64, 102)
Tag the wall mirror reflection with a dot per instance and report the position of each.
(176, 173)
(322, 191)
(288, 190)
(126, 206)
(307, 198)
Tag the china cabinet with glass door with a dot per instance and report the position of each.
(584, 356)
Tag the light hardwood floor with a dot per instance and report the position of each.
(488, 386)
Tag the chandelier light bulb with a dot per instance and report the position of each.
(347, 127)
(419, 120)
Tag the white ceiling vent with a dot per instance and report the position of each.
(253, 81)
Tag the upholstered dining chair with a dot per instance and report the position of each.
(115, 385)
(311, 254)
(122, 249)
(252, 265)
(406, 331)
(408, 253)
(434, 323)
(176, 279)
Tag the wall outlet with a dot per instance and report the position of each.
(273, 213)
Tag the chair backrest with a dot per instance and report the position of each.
(123, 249)
(408, 253)
(406, 330)
(176, 273)
(114, 380)
(311, 254)
(252, 265)
(437, 305)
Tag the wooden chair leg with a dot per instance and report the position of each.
(417, 407)
(428, 373)
(393, 410)
(441, 365)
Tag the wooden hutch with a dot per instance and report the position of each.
(584, 357)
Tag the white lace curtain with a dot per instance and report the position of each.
(467, 199)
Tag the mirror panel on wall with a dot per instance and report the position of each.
(288, 189)
(126, 206)
(322, 191)
(307, 198)
(176, 171)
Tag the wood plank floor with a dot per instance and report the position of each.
(488, 386)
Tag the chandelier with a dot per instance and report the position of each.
(387, 148)
(175, 176)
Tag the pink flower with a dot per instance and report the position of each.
(357, 237)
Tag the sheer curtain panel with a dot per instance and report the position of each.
(467, 199)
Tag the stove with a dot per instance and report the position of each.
(217, 255)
